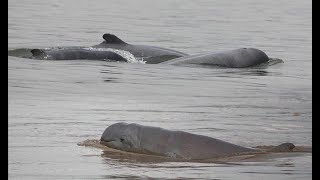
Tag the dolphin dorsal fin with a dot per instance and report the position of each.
(112, 39)
(37, 52)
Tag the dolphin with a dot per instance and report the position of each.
(76, 53)
(175, 144)
(237, 58)
(150, 54)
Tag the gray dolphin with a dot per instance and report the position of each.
(238, 58)
(150, 54)
(175, 144)
(74, 53)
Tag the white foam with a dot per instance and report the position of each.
(125, 54)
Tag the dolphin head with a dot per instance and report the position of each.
(121, 136)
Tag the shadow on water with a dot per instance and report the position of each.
(125, 177)
(257, 70)
(107, 71)
(108, 65)
(110, 80)
(146, 177)
(250, 72)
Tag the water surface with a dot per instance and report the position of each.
(53, 105)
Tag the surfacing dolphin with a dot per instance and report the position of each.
(76, 53)
(175, 144)
(150, 54)
(238, 58)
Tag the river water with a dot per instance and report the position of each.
(53, 105)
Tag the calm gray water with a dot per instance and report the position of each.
(53, 105)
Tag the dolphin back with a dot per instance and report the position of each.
(180, 144)
(238, 58)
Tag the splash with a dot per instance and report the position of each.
(125, 54)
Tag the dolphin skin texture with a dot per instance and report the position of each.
(150, 54)
(75, 53)
(175, 144)
(237, 58)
